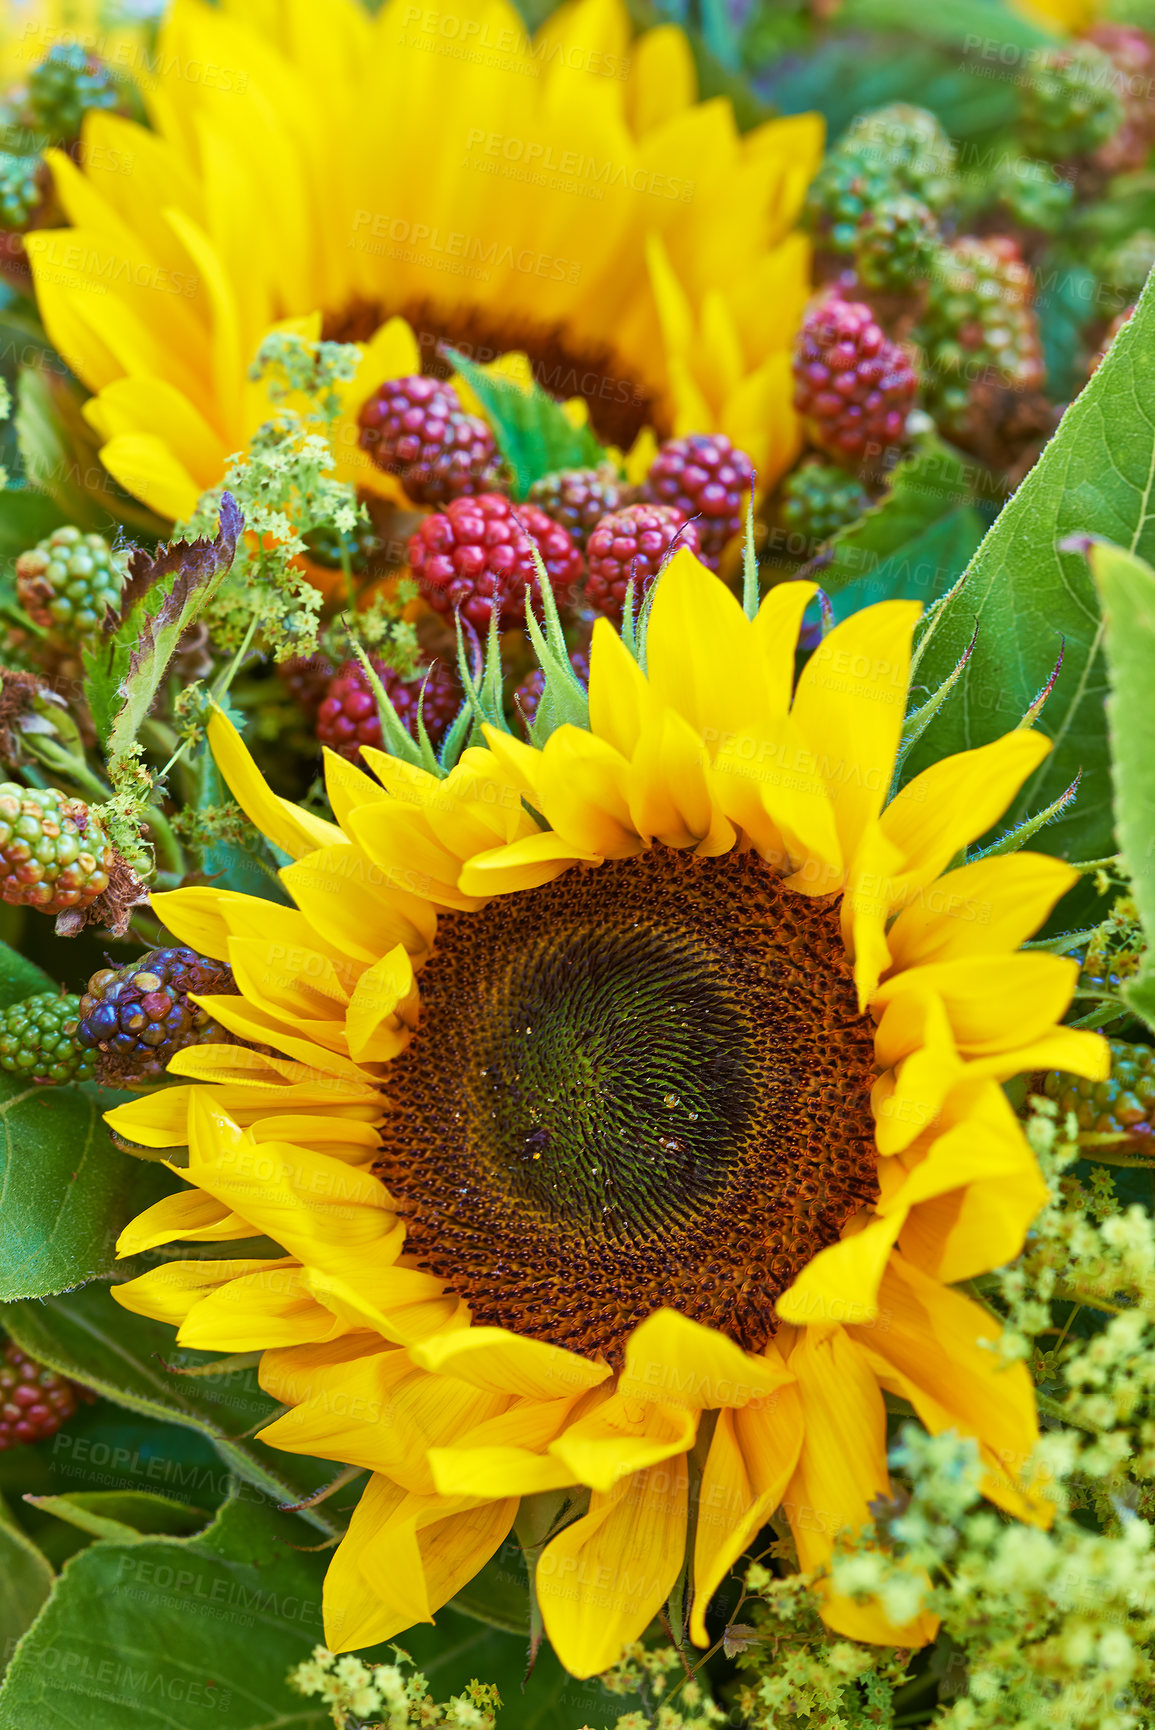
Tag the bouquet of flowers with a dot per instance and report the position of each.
(577, 865)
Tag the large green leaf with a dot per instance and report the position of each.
(922, 570)
(25, 1582)
(533, 432)
(177, 1633)
(87, 1335)
(1127, 586)
(122, 1514)
(1096, 476)
(26, 516)
(875, 550)
(19, 977)
(68, 1192)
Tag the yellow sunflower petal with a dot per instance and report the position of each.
(294, 831)
(841, 1284)
(602, 1579)
(981, 909)
(994, 1003)
(677, 1361)
(505, 1362)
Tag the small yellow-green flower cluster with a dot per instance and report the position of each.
(388, 1698)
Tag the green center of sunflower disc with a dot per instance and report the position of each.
(639, 1085)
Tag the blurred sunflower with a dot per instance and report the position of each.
(415, 177)
(118, 33)
(637, 1100)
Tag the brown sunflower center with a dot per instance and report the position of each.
(619, 406)
(641, 1085)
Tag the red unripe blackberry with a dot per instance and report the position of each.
(1132, 53)
(704, 477)
(54, 852)
(476, 555)
(136, 1017)
(852, 385)
(578, 499)
(633, 543)
(34, 1401)
(415, 428)
(528, 694)
(347, 719)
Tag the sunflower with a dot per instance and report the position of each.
(424, 175)
(624, 1110)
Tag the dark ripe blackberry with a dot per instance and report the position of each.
(1069, 105)
(852, 385)
(54, 852)
(579, 498)
(38, 1040)
(34, 1400)
(415, 428)
(708, 480)
(68, 84)
(136, 1017)
(527, 696)
(348, 719)
(69, 581)
(818, 499)
(1124, 1104)
(476, 557)
(896, 243)
(632, 545)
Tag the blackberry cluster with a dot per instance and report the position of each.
(1032, 193)
(324, 546)
(38, 1040)
(705, 478)
(1123, 1104)
(1070, 107)
(896, 242)
(307, 679)
(67, 582)
(852, 385)
(910, 145)
(415, 428)
(348, 719)
(54, 852)
(34, 1400)
(979, 325)
(476, 557)
(1132, 54)
(19, 189)
(847, 187)
(136, 1017)
(819, 499)
(68, 84)
(578, 499)
(632, 546)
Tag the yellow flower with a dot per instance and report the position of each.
(636, 1101)
(565, 195)
(29, 28)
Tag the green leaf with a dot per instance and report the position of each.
(1095, 477)
(533, 432)
(921, 570)
(87, 1335)
(878, 548)
(26, 516)
(68, 1192)
(20, 978)
(122, 1514)
(1127, 587)
(176, 1633)
(1067, 301)
(966, 24)
(25, 1582)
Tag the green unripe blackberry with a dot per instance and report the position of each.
(67, 583)
(66, 85)
(324, 546)
(1032, 193)
(38, 1040)
(1124, 1104)
(979, 326)
(896, 243)
(19, 189)
(847, 186)
(134, 1018)
(819, 499)
(1070, 106)
(910, 146)
(54, 852)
